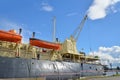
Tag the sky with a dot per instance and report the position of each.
(100, 33)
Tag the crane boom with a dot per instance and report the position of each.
(77, 31)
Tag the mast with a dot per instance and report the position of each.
(54, 28)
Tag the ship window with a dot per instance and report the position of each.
(38, 56)
(96, 69)
(90, 67)
(81, 64)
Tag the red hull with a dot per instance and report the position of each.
(10, 36)
(45, 44)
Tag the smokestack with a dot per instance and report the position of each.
(57, 40)
(33, 34)
(20, 30)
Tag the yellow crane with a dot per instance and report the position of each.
(77, 31)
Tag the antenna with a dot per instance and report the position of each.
(54, 29)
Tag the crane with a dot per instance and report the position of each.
(77, 31)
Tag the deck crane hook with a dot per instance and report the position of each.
(77, 31)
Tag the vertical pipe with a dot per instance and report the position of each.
(20, 30)
(54, 29)
(33, 35)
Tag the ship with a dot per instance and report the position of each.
(44, 59)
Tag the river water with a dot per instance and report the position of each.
(111, 73)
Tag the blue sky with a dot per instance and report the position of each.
(37, 16)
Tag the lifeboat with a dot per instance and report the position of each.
(10, 36)
(44, 44)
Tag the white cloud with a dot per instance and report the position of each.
(99, 8)
(72, 14)
(46, 7)
(108, 55)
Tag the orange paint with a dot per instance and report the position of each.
(10, 36)
(45, 44)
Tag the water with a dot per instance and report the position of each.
(111, 73)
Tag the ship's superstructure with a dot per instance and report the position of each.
(39, 58)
